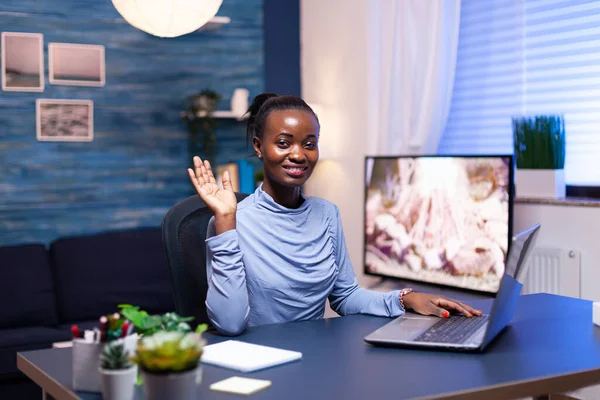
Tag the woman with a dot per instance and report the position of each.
(278, 255)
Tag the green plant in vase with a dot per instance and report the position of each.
(539, 142)
(114, 356)
(169, 362)
(539, 150)
(117, 372)
(167, 352)
(147, 324)
(198, 115)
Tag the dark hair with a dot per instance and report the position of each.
(263, 104)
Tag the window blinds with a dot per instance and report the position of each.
(528, 57)
(487, 85)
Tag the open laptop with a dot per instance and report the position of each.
(459, 332)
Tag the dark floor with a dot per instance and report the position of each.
(23, 389)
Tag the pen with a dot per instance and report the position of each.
(103, 328)
(125, 329)
(76, 332)
(116, 318)
(130, 329)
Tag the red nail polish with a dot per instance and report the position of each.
(446, 314)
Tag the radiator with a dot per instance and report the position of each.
(554, 270)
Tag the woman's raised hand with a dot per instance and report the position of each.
(222, 202)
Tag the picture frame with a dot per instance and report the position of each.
(76, 64)
(22, 62)
(64, 120)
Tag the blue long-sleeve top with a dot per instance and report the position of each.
(281, 264)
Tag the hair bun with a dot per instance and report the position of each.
(258, 101)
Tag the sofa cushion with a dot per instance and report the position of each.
(13, 340)
(93, 274)
(82, 325)
(26, 287)
(38, 336)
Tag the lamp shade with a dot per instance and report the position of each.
(167, 18)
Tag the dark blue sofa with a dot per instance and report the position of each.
(43, 291)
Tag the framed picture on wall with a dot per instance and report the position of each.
(76, 64)
(22, 62)
(65, 120)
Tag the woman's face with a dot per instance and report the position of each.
(288, 147)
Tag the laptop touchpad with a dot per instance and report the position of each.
(405, 327)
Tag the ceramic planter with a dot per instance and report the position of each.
(118, 384)
(86, 376)
(181, 386)
(541, 183)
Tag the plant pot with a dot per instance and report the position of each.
(541, 183)
(118, 384)
(180, 386)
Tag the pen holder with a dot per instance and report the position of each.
(86, 361)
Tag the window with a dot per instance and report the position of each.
(528, 57)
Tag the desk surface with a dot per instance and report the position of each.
(551, 346)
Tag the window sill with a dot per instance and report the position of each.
(567, 201)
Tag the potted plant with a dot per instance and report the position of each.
(117, 372)
(169, 364)
(198, 115)
(539, 147)
(146, 324)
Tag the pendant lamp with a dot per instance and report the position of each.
(167, 18)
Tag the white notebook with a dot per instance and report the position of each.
(246, 357)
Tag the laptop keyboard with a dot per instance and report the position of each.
(456, 329)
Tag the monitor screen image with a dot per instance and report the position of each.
(443, 220)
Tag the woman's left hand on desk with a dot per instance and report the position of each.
(432, 304)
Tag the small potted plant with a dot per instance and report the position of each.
(198, 115)
(117, 373)
(206, 101)
(169, 364)
(146, 324)
(539, 147)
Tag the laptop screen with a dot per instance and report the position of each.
(521, 248)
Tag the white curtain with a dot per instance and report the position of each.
(412, 58)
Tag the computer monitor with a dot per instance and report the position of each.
(444, 220)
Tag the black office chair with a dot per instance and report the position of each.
(184, 234)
